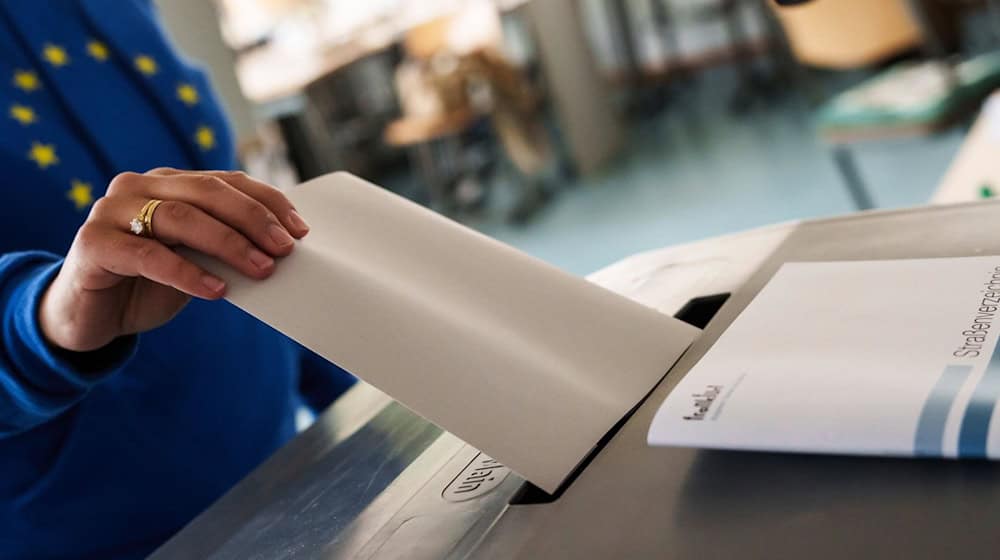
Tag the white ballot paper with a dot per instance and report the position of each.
(878, 357)
(525, 362)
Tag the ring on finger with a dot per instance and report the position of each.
(142, 223)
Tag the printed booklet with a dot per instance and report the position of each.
(862, 357)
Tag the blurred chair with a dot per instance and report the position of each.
(436, 113)
(349, 109)
(451, 97)
(843, 34)
(754, 87)
(742, 46)
(911, 99)
(647, 82)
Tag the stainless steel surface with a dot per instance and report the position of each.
(368, 480)
(433, 526)
(312, 495)
(313, 499)
(216, 525)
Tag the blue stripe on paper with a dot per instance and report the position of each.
(929, 440)
(975, 429)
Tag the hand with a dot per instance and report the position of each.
(115, 283)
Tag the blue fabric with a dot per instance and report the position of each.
(106, 454)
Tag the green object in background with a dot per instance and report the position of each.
(986, 191)
(912, 94)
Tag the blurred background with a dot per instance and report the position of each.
(582, 131)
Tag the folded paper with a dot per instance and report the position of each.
(523, 361)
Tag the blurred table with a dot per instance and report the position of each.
(307, 84)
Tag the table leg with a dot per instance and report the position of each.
(428, 172)
(848, 168)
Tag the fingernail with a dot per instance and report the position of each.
(212, 283)
(296, 219)
(280, 235)
(260, 260)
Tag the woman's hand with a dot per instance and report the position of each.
(116, 283)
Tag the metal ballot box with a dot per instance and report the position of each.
(371, 480)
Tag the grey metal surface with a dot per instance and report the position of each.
(369, 479)
(634, 501)
(215, 526)
(318, 483)
(377, 487)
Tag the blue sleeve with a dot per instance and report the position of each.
(320, 382)
(37, 381)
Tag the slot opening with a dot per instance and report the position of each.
(697, 312)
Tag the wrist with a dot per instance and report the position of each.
(60, 323)
(46, 364)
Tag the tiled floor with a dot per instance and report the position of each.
(696, 172)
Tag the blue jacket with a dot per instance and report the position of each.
(108, 454)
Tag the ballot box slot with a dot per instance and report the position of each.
(700, 310)
(697, 312)
(530, 494)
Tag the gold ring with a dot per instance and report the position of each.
(142, 223)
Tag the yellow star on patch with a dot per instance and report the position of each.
(43, 154)
(81, 194)
(187, 94)
(23, 114)
(98, 51)
(205, 138)
(55, 55)
(146, 65)
(26, 80)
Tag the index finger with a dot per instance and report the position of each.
(269, 196)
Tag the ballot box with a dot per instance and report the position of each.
(372, 480)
